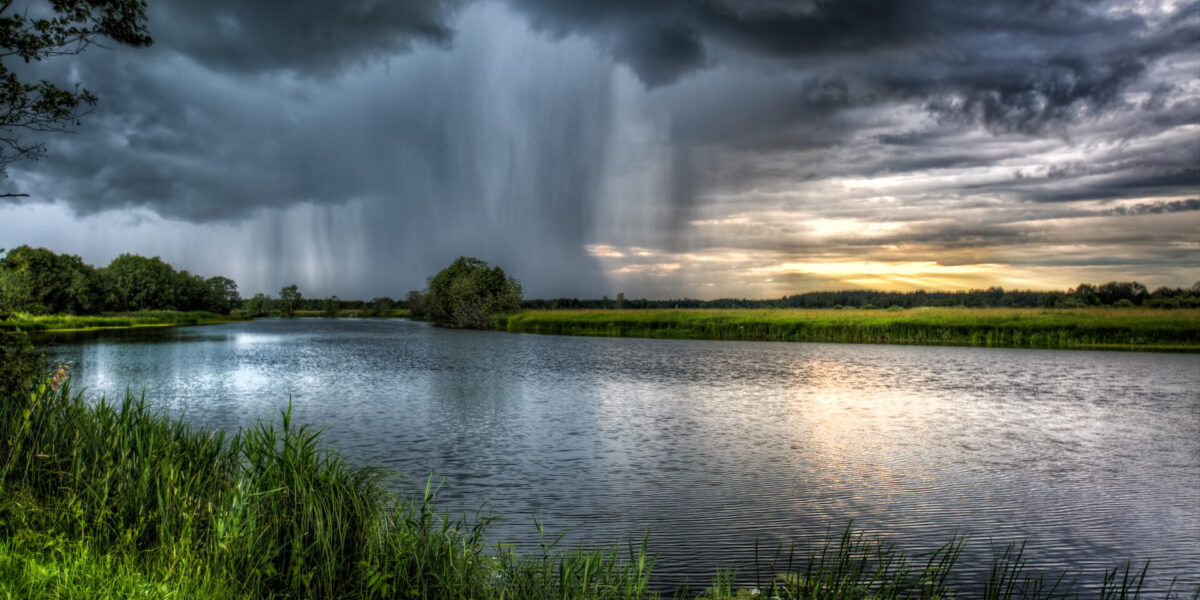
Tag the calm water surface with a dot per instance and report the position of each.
(1091, 458)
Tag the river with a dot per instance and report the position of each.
(1090, 458)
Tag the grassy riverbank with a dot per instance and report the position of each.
(115, 498)
(149, 318)
(1091, 328)
(113, 501)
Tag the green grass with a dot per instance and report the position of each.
(1094, 328)
(37, 566)
(102, 500)
(268, 512)
(147, 318)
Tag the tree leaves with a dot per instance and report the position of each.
(44, 106)
(467, 293)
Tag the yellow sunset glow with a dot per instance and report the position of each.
(832, 227)
(858, 268)
(604, 250)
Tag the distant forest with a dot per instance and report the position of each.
(1117, 293)
(38, 281)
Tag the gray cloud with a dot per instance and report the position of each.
(306, 36)
(665, 39)
(1128, 184)
(1011, 66)
(1159, 207)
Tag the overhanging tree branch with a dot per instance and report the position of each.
(67, 27)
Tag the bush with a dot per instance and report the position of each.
(20, 364)
(380, 307)
(467, 294)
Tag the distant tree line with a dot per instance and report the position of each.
(38, 281)
(1116, 293)
(464, 294)
(291, 301)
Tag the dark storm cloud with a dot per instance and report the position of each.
(197, 147)
(1063, 85)
(420, 161)
(1012, 66)
(1130, 184)
(1156, 208)
(300, 35)
(659, 54)
(665, 39)
(805, 79)
(1018, 67)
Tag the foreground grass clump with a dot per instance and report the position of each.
(1092, 328)
(268, 512)
(37, 566)
(146, 318)
(102, 500)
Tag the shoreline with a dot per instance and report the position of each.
(48, 324)
(1095, 329)
(1104, 329)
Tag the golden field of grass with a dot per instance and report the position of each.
(1081, 328)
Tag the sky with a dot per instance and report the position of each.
(656, 148)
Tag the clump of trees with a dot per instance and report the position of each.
(380, 307)
(330, 307)
(39, 282)
(466, 294)
(291, 303)
(1125, 294)
(289, 300)
(258, 306)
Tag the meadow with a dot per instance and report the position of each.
(159, 318)
(147, 318)
(1087, 328)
